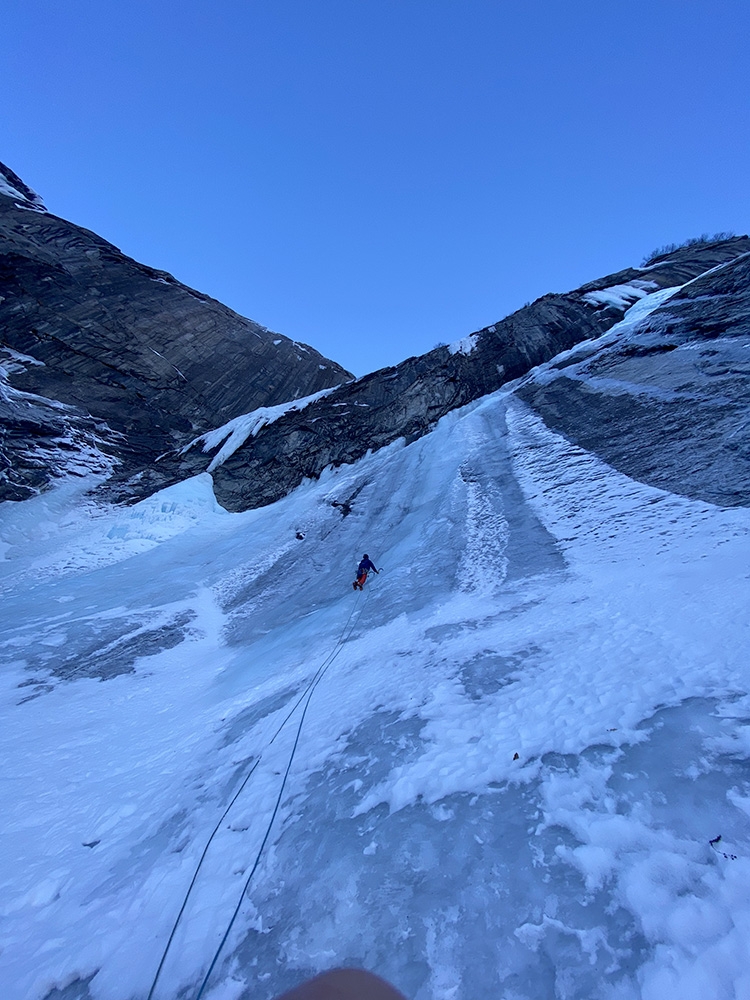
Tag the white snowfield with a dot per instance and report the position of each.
(532, 724)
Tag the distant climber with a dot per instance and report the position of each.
(362, 570)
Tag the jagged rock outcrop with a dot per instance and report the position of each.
(407, 400)
(669, 403)
(101, 355)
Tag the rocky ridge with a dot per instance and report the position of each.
(108, 363)
(406, 401)
(668, 402)
(112, 366)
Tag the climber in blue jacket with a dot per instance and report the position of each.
(362, 570)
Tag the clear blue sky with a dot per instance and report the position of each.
(374, 176)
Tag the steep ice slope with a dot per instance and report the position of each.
(533, 601)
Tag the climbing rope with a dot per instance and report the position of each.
(346, 633)
(311, 690)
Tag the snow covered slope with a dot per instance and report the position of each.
(110, 365)
(519, 743)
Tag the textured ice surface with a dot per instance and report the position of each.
(507, 779)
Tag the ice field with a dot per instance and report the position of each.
(518, 744)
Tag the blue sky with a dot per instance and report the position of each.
(374, 176)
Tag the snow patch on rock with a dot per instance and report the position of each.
(12, 186)
(620, 296)
(235, 432)
(464, 346)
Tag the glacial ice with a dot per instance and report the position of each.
(506, 782)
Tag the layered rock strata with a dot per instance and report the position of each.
(119, 352)
(406, 400)
(112, 366)
(669, 402)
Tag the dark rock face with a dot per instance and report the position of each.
(112, 366)
(123, 347)
(670, 405)
(37, 436)
(407, 400)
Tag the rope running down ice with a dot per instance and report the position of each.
(307, 692)
(310, 691)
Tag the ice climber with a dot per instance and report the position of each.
(362, 570)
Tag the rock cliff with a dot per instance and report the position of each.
(668, 401)
(109, 365)
(407, 400)
(107, 361)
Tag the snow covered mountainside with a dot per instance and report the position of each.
(668, 404)
(501, 771)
